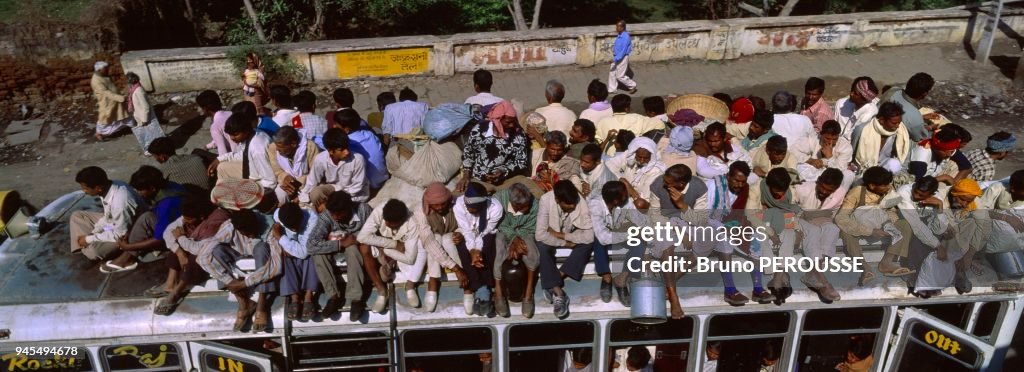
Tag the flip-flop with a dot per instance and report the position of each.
(865, 278)
(308, 311)
(165, 308)
(292, 312)
(259, 325)
(156, 291)
(109, 267)
(900, 272)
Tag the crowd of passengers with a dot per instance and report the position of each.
(290, 189)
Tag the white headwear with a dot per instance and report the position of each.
(99, 65)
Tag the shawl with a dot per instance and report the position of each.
(866, 152)
(775, 209)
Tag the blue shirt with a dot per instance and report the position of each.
(623, 47)
(167, 207)
(268, 126)
(912, 117)
(364, 142)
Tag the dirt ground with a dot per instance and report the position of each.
(976, 96)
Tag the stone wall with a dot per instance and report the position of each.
(206, 68)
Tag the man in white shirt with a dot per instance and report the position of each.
(816, 232)
(477, 215)
(391, 233)
(404, 116)
(96, 234)
(299, 282)
(281, 97)
(720, 153)
(859, 108)
(558, 117)
(792, 125)
(563, 222)
(593, 173)
(482, 81)
(250, 160)
(611, 215)
(336, 169)
(829, 150)
(292, 157)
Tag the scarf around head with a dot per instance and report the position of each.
(775, 209)
(654, 164)
(435, 193)
(864, 91)
(967, 187)
(1002, 146)
(741, 111)
(936, 144)
(680, 140)
(498, 111)
(481, 202)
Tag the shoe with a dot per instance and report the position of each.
(528, 308)
(623, 295)
(333, 305)
(356, 310)
(549, 296)
(828, 294)
(380, 304)
(501, 307)
(467, 303)
(561, 305)
(762, 297)
(109, 267)
(430, 301)
(606, 291)
(484, 308)
(633, 91)
(412, 298)
(736, 299)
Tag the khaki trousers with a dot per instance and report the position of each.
(901, 248)
(81, 224)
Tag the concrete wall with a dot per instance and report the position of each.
(205, 68)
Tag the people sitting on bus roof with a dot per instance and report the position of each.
(337, 224)
(960, 232)
(364, 142)
(299, 282)
(918, 205)
(816, 232)
(876, 184)
(390, 234)
(773, 207)
(727, 199)
(147, 232)
(96, 234)
(336, 169)
(611, 216)
(563, 222)
(477, 215)
(773, 155)
(583, 133)
(593, 174)
(828, 150)
(199, 220)
(245, 235)
(516, 241)
(437, 229)
(292, 154)
(186, 170)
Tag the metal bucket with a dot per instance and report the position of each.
(1008, 264)
(647, 301)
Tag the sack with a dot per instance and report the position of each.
(447, 119)
(432, 163)
(147, 133)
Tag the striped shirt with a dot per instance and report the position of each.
(244, 245)
(186, 170)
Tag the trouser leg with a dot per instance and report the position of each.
(356, 275)
(261, 254)
(573, 267)
(549, 275)
(326, 274)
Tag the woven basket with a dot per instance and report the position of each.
(707, 106)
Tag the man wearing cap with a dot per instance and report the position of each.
(931, 157)
(677, 149)
(113, 116)
(997, 147)
(244, 235)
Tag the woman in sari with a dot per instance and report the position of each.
(254, 87)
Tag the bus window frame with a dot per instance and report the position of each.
(972, 321)
(185, 359)
(199, 349)
(406, 355)
(880, 333)
(697, 349)
(596, 340)
(606, 340)
(912, 316)
(363, 335)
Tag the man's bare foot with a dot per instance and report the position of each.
(99, 137)
(246, 309)
(677, 311)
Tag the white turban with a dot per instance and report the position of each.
(99, 65)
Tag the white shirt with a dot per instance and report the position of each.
(595, 116)
(403, 117)
(810, 148)
(558, 117)
(348, 175)
(120, 207)
(849, 116)
(284, 116)
(483, 99)
(793, 126)
(376, 233)
(469, 225)
(610, 226)
(260, 169)
(710, 167)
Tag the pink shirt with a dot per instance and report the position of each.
(819, 113)
(221, 140)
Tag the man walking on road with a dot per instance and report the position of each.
(620, 61)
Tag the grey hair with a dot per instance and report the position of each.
(557, 137)
(132, 78)
(519, 194)
(783, 102)
(286, 134)
(555, 90)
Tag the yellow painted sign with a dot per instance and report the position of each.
(382, 62)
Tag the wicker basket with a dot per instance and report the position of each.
(707, 106)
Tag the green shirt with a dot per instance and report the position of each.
(513, 226)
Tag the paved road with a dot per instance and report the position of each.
(52, 175)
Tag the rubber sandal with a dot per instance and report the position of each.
(156, 291)
(899, 272)
(308, 311)
(109, 267)
(165, 308)
(259, 322)
(292, 312)
(242, 319)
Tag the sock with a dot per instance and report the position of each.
(484, 294)
(730, 286)
(755, 276)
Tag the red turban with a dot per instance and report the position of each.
(742, 111)
(436, 193)
(936, 144)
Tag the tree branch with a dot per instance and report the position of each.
(517, 15)
(536, 15)
(255, 20)
(786, 10)
(750, 8)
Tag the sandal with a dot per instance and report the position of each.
(866, 277)
(109, 267)
(165, 307)
(243, 317)
(292, 312)
(156, 291)
(308, 311)
(899, 272)
(259, 322)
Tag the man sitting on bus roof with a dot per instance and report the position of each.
(563, 221)
(877, 183)
(96, 234)
(335, 230)
(147, 231)
(199, 220)
(611, 215)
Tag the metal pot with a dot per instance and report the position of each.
(647, 302)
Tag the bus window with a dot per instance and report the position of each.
(149, 357)
(956, 314)
(563, 346)
(448, 349)
(846, 318)
(748, 324)
(931, 349)
(987, 316)
(745, 342)
(341, 350)
(73, 359)
(834, 337)
(666, 344)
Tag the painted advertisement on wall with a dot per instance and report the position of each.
(757, 41)
(539, 53)
(658, 47)
(386, 62)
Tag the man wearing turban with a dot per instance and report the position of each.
(997, 147)
(112, 114)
